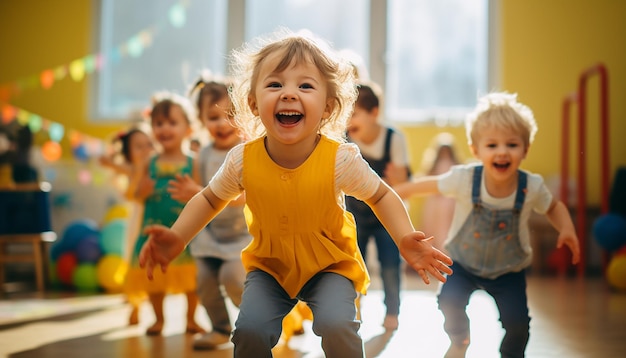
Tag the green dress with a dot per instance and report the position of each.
(160, 208)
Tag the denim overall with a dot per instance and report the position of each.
(488, 256)
(368, 225)
(488, 245)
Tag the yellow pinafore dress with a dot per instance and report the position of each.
(298, 227)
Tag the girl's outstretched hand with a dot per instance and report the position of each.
(162, 246)
(423, 257)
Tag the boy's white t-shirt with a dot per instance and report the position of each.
(457, 183)
(376, 149)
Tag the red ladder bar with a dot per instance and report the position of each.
(581, 99)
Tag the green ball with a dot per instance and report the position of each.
(85, 277)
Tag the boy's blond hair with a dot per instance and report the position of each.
(501, 110)
(299, 47)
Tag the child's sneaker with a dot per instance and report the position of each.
(211, 340)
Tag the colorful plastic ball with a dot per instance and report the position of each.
(113, 236)
(609, 231)
(77, 230)
(56, 250)
(119, 211)
(85, 278)
(616, 272)
(111, 271)
(66, 264)
(88, 249)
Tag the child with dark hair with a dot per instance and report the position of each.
(384, 149)
(131, 149)
(171, 121)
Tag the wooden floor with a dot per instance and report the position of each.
(571, 317)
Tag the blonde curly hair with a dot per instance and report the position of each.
(501, 110)
(294, 47)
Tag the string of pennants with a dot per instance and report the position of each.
(83, 146)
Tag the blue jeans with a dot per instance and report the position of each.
(389, 258)
(509, 292)
(265, 303)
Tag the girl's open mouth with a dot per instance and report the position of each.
(289, 117)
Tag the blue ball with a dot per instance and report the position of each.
(73, 234)
(88, 250)
(609, 231)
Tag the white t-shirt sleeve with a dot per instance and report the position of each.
(456, 182)
(539, 194)
(226, 183)
(353, 176)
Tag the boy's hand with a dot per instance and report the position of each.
(162, 246)
(569, 239)
(423, 257)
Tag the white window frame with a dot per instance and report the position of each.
(235, 36)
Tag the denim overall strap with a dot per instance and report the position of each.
(520, 195)
(488, 243)
(478, 172)
(521, 191)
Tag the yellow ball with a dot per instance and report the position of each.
(119, 211)
(111, 272)
(616, 272)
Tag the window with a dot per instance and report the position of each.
(437, 58)
(344, 23)
(431, 57)
(151, 46)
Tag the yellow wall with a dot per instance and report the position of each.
(544, 45)
(38, 35)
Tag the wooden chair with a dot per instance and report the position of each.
(25, 220)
